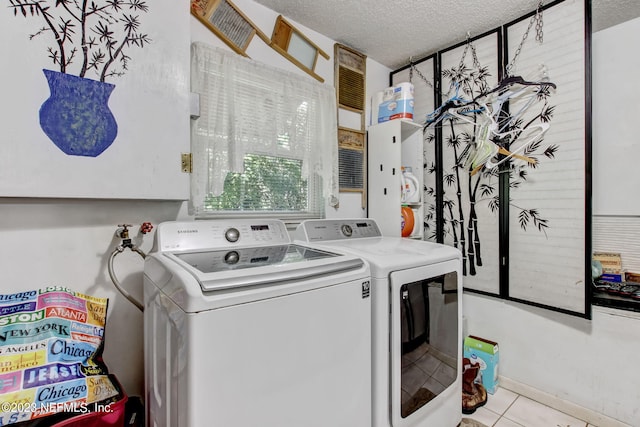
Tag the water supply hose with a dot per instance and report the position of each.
(126, 243)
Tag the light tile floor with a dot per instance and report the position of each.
(508, 409)
(426, 372)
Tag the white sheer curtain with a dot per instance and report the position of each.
(251, 108)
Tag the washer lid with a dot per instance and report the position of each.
(221, 269)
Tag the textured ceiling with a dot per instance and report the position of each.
(392, 31)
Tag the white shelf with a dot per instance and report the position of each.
(391, 146)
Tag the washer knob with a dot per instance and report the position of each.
(231, 257)
(232, 235)
(346, 230)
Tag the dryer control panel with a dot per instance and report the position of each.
(337, 229)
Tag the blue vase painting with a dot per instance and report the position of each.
(76, 116)
(86, 39)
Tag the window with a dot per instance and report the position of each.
(268, 184)
(265, 142)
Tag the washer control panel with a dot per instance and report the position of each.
(222, 233)
(336, 229)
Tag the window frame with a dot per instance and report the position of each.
(220, 77)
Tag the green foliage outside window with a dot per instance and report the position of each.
(267, 184)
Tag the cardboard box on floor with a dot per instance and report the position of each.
(485, 353)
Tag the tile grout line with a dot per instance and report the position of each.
(507, 410)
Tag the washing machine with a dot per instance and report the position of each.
(243, 328)
(416, 292)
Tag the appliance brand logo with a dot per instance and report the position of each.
(189, 231)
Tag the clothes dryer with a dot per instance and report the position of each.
(416, 320)
(244, 328)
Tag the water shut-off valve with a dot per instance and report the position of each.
(123, 233)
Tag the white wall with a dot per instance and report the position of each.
(616, 149)
(589, 363)
(68, 241)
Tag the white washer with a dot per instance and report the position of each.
(416, 319)
(245, 329)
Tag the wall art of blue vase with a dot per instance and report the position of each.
(76, 116)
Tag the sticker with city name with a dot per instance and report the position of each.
(97, 313)
(100, 388)
(9, 349)
(61, 392)
(18, 362)
(60, 350)
(17, 308)
(62, 300)
(51, 374)
(10, 382)
(19, 297)
(29, 331)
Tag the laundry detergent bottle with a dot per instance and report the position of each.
(407, 221)
(410, 192)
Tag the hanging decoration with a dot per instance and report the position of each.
(507, 159)
(86, 41)
(496, 130)
(350, 81)
(549, 267)
(484, 135)
(467, 219)
(296, 47)
(228, 22)
(236, 30)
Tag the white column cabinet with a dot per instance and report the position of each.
(393, 145)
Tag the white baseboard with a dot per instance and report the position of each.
(589, 415)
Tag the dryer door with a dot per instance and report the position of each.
(425, 344)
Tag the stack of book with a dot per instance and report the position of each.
(614, 280)
(611, 266)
